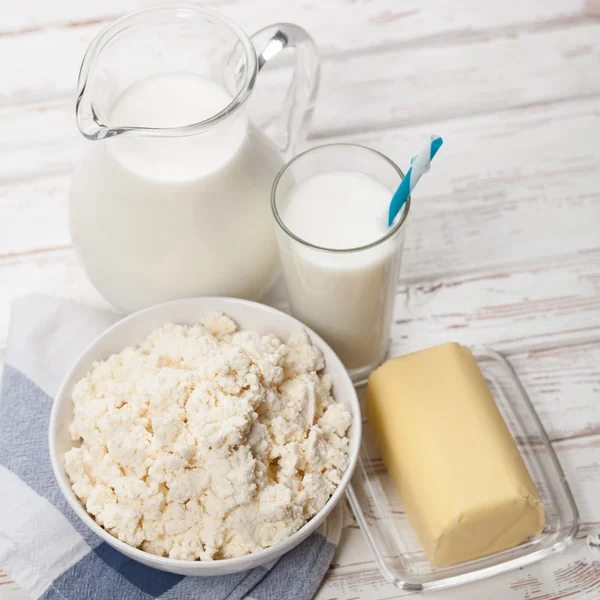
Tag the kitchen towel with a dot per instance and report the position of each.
(44, 546)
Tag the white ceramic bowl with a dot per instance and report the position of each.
(132, 331)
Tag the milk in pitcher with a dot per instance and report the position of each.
(155, 218)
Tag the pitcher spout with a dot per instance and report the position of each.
(91, 112)
(88, 121)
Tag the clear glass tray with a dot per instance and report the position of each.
(397, 550)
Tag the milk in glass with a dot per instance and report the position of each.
(341, 277)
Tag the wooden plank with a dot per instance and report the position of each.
(33, 216)
(38, 138)
(41, 137)
(472, 212)
(406, 85)
(338, 25)
(564, 386)
(517, 308)
(426, 85)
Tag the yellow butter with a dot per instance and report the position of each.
(459, 474)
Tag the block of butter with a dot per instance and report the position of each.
(464, 485)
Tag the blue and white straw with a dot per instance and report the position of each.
(420, 165)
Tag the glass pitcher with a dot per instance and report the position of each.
(171, 196)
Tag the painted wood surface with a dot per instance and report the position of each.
(503, 248)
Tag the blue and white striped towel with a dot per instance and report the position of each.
(44, 546)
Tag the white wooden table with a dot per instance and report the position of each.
(503, 246)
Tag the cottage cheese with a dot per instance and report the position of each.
(207, 442)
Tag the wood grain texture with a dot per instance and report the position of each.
(456, 217)
(520, 307)
(337, 25)
(564, 386)
(424, 83)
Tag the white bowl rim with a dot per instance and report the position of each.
(229, 565)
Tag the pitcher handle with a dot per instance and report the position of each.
(291, 124)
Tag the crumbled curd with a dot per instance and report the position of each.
(207, 442)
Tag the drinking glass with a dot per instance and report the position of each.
(346, 295)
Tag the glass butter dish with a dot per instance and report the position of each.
(395, 546)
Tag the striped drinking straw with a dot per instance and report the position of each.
(419, 165)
